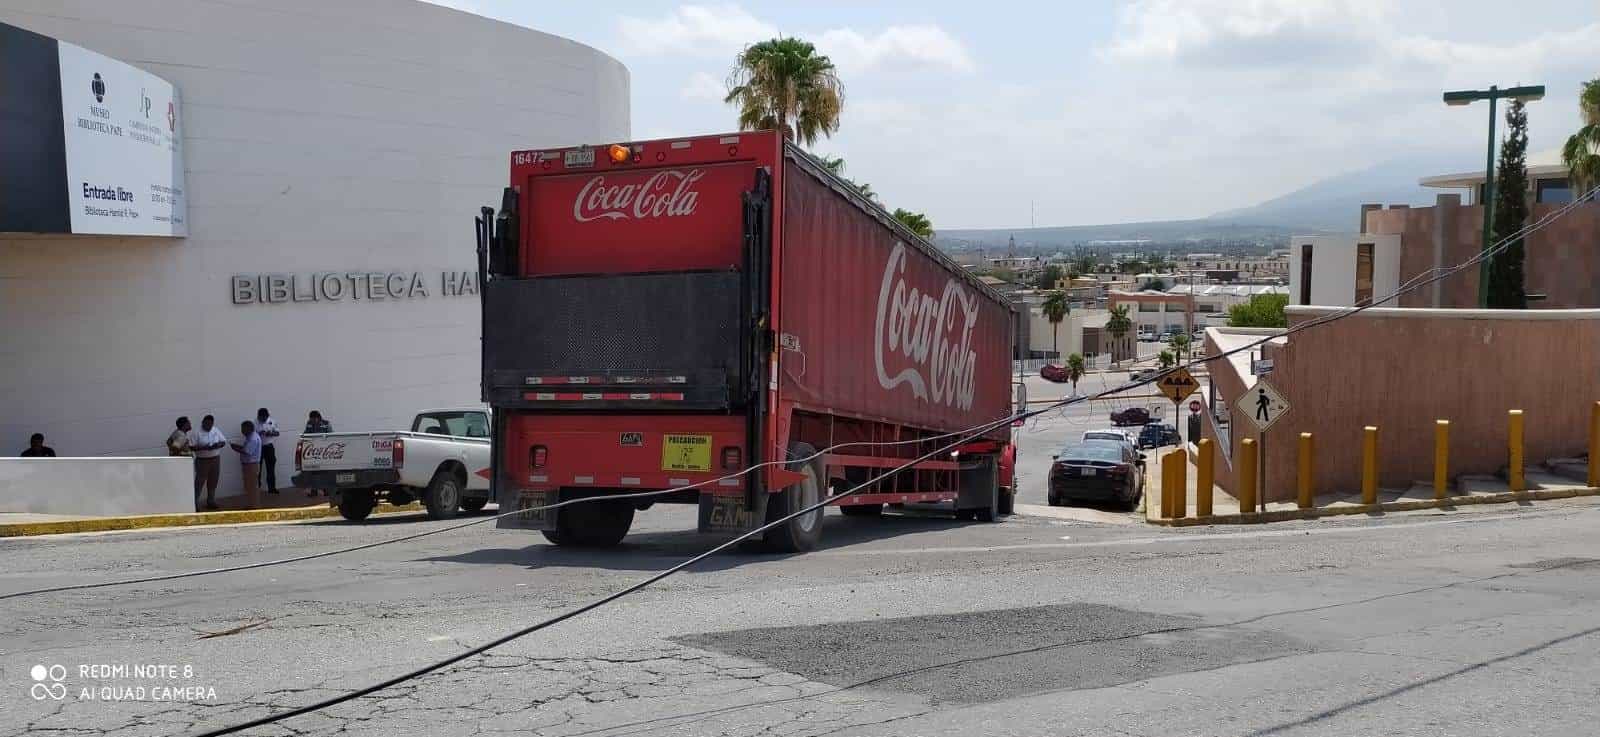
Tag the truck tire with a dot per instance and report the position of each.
(596, 524)
(801, 533)
(1008, 501)
(474, 504)
(356, 504)
(443, 497)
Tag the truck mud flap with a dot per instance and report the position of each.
(731, 513)
(537, 519)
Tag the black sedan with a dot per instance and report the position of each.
(1097, 470)
(1130, 416)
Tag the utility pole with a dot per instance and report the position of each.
(1493, 94)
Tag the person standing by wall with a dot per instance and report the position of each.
(249, 450)
(315, 424)
(267, 428)
(207, 444)
(37, 448)
(178, 441)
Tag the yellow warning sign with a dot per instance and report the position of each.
(1177, 384)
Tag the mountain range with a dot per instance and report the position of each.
(1331, 205)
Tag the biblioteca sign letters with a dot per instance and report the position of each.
(337, 286)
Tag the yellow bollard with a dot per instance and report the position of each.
(1180, 483)
(1369, 465)
(1441, 459)
(1307, 491)
(1204, 477)
(1514, 440)
(1247, 475)
(1594, 444)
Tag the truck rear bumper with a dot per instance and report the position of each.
(357, 479)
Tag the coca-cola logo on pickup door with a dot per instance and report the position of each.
(923, 341)
(667, 193)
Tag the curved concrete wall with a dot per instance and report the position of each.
(348, 137)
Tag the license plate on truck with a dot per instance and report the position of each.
(686, 453)
(344, 478)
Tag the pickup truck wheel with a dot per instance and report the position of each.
(801, 533)
(596, 524)
(443, 496)
(474, 505)
(1008, 501)
(356, 504)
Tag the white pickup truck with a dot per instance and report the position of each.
(443, 460)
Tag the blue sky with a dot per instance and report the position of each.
(1097, 112)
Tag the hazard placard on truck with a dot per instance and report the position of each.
(663, 315)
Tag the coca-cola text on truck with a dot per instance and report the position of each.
(677, 311)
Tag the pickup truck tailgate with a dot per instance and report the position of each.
(347, 452)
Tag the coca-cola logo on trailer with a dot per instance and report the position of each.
(667, 193)
(329, 452)
(932, 335)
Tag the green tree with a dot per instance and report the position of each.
(1158, 285)
(1075, 370)
(1262, 311)
(1048, 277)
(1506, 275)
(1134, 266)
(1179, 343)
(1581, 154)
(1086, 264)
(1118, 325)
(1166, 359)
(784, 84)
(1056, 308)
(916, 222)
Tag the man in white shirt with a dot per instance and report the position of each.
(207, 444)
(267, 428)
(249, 450)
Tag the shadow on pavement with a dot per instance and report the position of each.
(656, 551)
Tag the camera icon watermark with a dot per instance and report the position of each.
(48, 682)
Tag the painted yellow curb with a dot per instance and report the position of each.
(1282, 515)
(192, 519)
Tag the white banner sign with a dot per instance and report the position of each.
(124, 147)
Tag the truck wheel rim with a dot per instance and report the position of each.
(808, 497)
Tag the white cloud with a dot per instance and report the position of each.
(707, 30)
(703, 86)
(924, 46)
(1225, 31)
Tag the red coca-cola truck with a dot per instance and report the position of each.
(661, 314)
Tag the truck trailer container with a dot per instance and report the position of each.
(668, 313)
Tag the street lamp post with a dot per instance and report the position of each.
(1493, 94)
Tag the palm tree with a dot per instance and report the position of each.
(1056, 308)
(1075, 371)
(1179, 343)
(1118, 325)
(835, 164)
(916, 222)
(785, 84)
(1581, 155)
(1166, 359)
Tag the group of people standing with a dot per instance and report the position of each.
(257, 451)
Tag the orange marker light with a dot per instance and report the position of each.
(619, 153)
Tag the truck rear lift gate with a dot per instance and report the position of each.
(665, 326)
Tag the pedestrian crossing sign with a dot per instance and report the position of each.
(1262, 405)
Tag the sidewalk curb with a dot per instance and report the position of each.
(1283, 515)
(192, 519)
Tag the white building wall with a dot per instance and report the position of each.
(360, 135)
(1333, 268)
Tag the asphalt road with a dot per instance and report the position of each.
(1474, 622)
